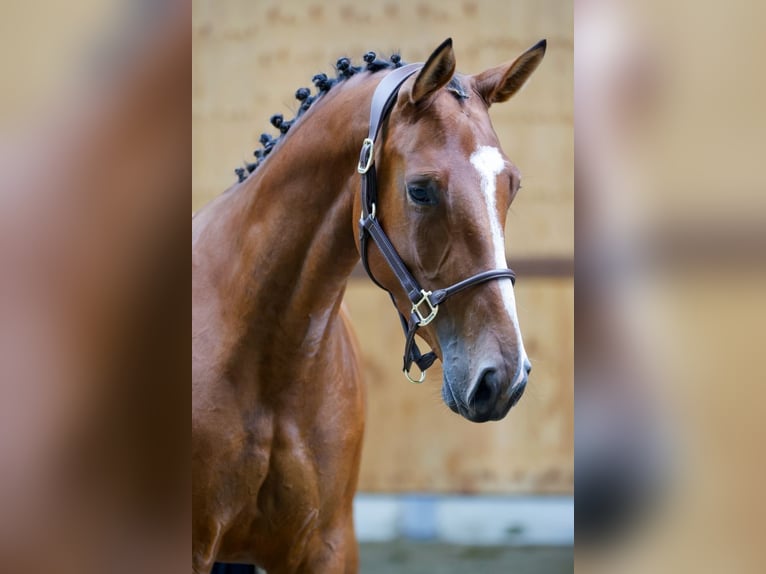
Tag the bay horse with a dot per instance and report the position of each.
(278, 404)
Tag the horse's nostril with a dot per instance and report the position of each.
(485, 390)
(518, 391)
(483, 393)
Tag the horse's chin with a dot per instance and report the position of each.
(448, 397)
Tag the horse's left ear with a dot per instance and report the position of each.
(436, 72)
(500, 83)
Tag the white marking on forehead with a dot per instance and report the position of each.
(489, 163)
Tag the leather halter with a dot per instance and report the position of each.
(425, 304)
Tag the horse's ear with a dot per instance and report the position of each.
(500, 83)
(436, 72)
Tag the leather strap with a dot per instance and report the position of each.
(408, 282)
(437, 297)
(411, 351)
(385, 96)
(382, 102)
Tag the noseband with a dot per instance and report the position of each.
(425, 304)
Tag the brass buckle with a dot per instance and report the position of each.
(433, 309)
(414, 381)
(366, 156)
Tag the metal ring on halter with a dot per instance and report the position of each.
(366, 156)
(410, 379)
(424, 320)
(372, 215)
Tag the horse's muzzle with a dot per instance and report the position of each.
(491, 395)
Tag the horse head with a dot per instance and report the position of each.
(445, 187)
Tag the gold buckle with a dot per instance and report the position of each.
(364, 163)
(418, 381)
(433, 310)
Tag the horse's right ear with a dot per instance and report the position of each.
(435, 74)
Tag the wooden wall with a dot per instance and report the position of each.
(249, 58)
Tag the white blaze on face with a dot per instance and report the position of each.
(489, 163)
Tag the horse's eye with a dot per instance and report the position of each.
(422, 194)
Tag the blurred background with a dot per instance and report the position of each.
(427, 474)
(671, 237)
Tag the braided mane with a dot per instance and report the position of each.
(323, 84)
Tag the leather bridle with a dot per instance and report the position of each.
(425, 304)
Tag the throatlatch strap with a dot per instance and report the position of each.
(412, 353)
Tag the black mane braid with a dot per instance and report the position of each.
(323, 84)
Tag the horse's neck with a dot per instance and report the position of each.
(285, 244)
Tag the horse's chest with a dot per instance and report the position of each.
(284, 512)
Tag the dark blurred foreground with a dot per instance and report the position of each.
(94, 324)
